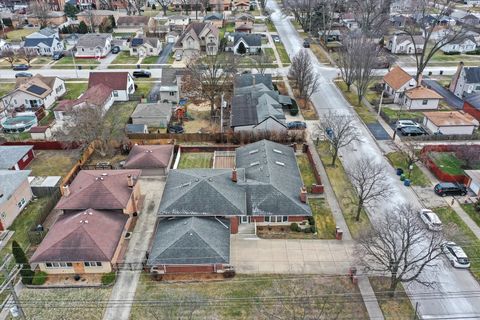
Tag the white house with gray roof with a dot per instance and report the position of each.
(93, 45)
(44, 42)
(465, 81)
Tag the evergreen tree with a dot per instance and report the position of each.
(82, 28)
(21, 258)
(112, 22)
(70, 10)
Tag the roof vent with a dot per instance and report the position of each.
(253, 151)
(280, 163)
(277, 151)
(81, 221)
(86, 221)
(185, 184)
(104, 174)
(256, 163)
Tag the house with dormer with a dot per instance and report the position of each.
(44, 42)
(199, 37)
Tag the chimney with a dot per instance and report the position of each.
(234, 174)
(66, 190)
(130, 181)
(303, 194)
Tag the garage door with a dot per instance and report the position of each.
(475, 187)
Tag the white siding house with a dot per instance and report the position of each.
(450, 122)
(421, 98)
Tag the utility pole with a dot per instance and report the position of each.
(9, 277)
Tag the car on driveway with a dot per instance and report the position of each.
(141, 74)
(20, 67)
(412, 131)
(23, 75)
(57, 56)
(455, 254)
(431, 220)
(296, 125)
(406, 123)
(450, 189)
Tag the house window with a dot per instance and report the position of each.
(59, 88)
(172, 93)
(151, 50)
(424, 102)
(115, 93)
(52, 265)
(276, 218)
(92, 264)
(21, 203)
(134, 50)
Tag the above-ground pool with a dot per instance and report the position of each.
(19, 123)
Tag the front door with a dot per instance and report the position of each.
(244, 219)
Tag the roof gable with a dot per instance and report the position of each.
(397, 78)
(114, 80)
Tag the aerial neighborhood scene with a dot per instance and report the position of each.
(239, 159)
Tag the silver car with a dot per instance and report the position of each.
(455, 255)
(406, 123)
(431, 220)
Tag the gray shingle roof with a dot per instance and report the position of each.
(252, 40)
(473, 100)
(91, 40)
(33, 42)
(472, 74)
(191, 240)
(10, 155)
(147, 110)
(206, 192)
(135, 128)
(245, 80)
(10, 180)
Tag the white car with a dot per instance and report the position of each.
(406, 123)
(455, 255)
(431, 220)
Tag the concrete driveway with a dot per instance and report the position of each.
(253, 255)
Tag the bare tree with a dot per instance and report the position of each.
(164, 4)
(137, 5)
(372, 15)
(9, 55)
(302, 71)
(261, 62)
(91, 19)
(399, 246)
(302, 11)
(470, 154)
(341, 131)
(208, 78)
(367, 56)
(305, 301)
(27, 55)
(41, 11)
(428, 15)
(347, 59)
(369, 178)
(410, 154)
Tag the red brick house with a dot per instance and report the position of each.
(16, 157)
(471, 105)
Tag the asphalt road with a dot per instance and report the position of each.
(456, 293)
(70, 73)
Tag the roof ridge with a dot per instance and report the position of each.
(87, 233)
(208, 243)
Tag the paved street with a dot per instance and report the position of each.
(450, 283)
(69, 73)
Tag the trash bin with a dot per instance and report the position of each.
(399, 171)
(339, 234)
(402, 177)
(79, 67)
(406, 183)
(138, 66)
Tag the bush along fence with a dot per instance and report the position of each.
(36, 234)
(438, 172)
(316, 188)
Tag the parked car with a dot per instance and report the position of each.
(296, 125)
(276, 38)
(23, 75)
(141, 74)
(330, 133)
(431, 220)
(412, 131)
(115, 49)
(406, 123)
(175, 129)
(455, 255)
(450, 189)
(20, 67)
(306, 44)
(57, 56)
(178, 56)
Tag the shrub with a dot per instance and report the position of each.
(154, 7)
(294, 227)
(293, 108)
(474, 52)
(311, 220)
(477, 205)
(108, 278)
(307, 230)
(451, 53)
(313, 229)
(21, 258)
(39, 278)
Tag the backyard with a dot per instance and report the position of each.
(191, 160)
(19, 34)
(241, 297)
(306, 171)
(74, 90)
(448, 162)
(416, 177)
(118, 116)
(124, 57)
(394, 114)
(53, 162)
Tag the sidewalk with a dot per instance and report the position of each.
(369, 298)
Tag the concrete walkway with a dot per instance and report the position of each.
(127, 280)
(372, 306)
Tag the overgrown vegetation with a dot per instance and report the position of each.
(108, 278)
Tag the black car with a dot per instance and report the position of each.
(176, 129)
(306, 44)
(57, 56)
(450, 189)
(23, 75)
(20, 67)
(296, 125)
(141, 74)
(115, 49)
(412, 131)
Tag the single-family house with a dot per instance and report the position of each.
(403, 44)
(171, 37)
(132, 23)
(241, 5)
(421, 98)
(220, 5)
(34, 93)
(94, 45)
(16, 157)
(44, 42)
(330, 35)
(349, 21)
(96, 16)
(99, 95)
(450, 122)
(461, 45)
(177, 22)
(154, 115)
(244, 43)
(244, 23)
(470, 19)
(396, 82)
(145, 47)
(153, 160)
(15, 193)
(465, 81)
(471, 105)
(199, 37)
(157, 28)
(171, 85)
(121, 83)
(215, 18)
(473, 181)
(399, 21)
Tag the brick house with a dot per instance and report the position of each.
(16, 157)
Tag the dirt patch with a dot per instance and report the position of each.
(199, 106)
(91, 279)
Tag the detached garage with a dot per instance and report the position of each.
(153, 160)
(450, 122)
(474, 181)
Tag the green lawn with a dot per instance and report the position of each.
(6, 87)
(324, 221)
(470, 210)
(395, 308)
(448, 162)
(240, 297)
(19, 34)
(150, 60)
(282, 53)
(118, 116)
(402, 114)
(230, 27)
(417, 177)
(69, 61)
(49, 117)
(363, 112)
(270, 26)
(124, 57)
(195, 160)
(41, 61)
(306, 171)
(463, 236)
(74, 90)
(269, 53)
(144, 87)
(344, 191)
